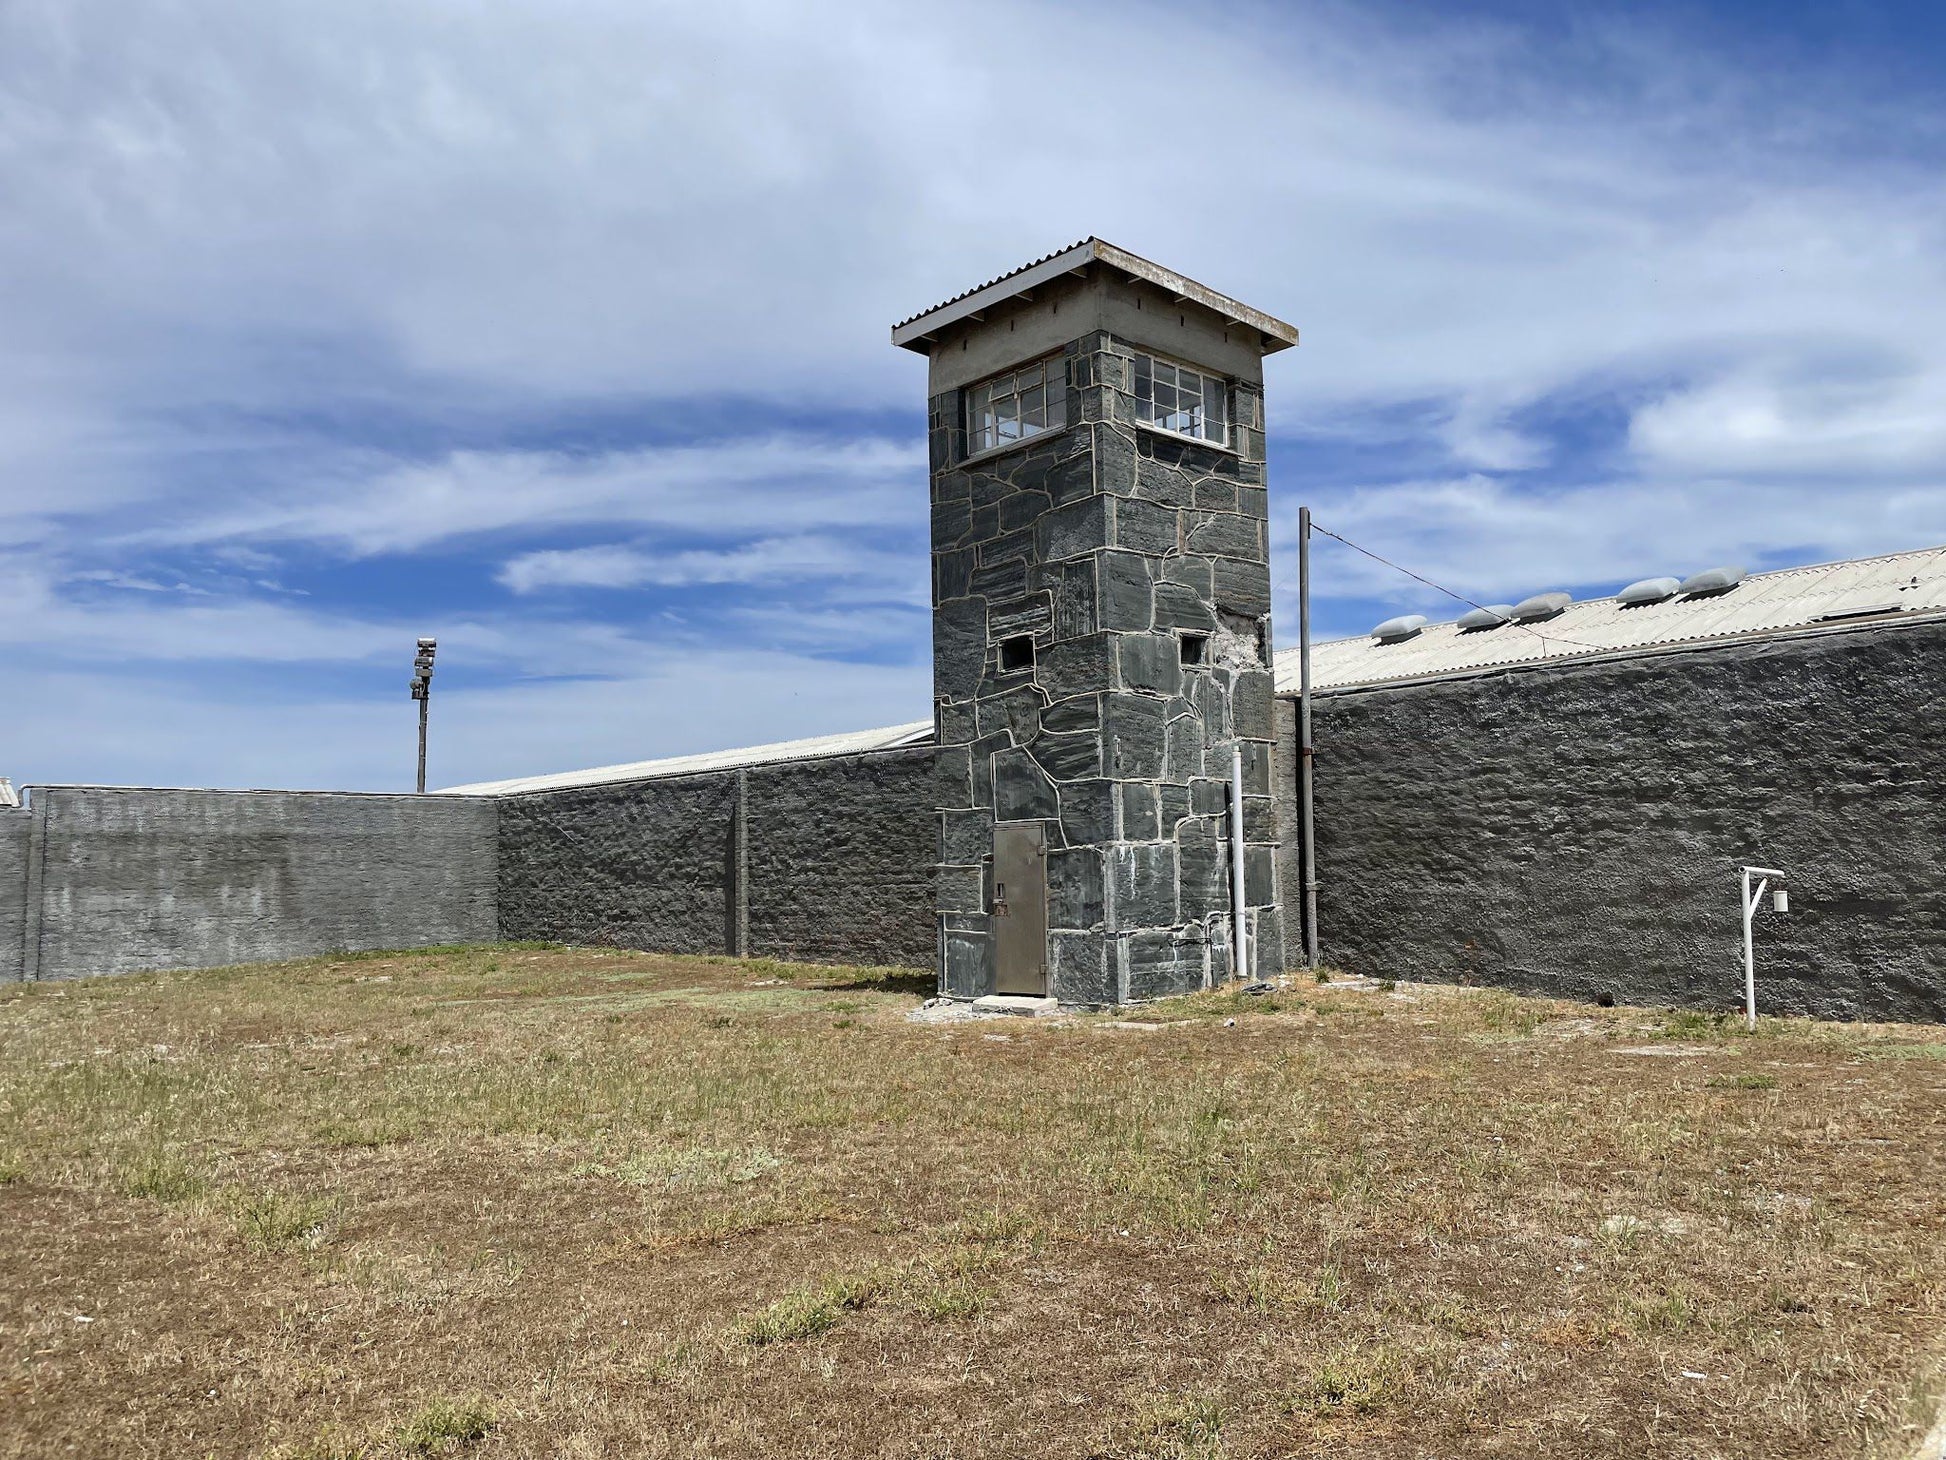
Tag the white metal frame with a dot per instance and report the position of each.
(1205, 378)
(1751, 901)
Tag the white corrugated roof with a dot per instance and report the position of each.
(851, 743)
(1763, 604)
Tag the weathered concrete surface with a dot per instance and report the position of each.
(13, 889)
(643, 864)
(839, 859)
(1577, 830)
(132, 880)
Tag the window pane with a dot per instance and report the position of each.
(1033, 408)
(1165, 400)
(1142, 377)
(1008, 413)
(1216, 409)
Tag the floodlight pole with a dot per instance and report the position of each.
(1750, 902)
(1307, 826)
(422, 692)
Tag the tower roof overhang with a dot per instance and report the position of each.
(919, 332)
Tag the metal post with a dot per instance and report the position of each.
(1751, 901)
(1240, 951)
(1308, 866)
(422, 692)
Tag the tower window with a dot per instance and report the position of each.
(1019, 404)
(1195, 648)
(1016, 653)
(1183, 400)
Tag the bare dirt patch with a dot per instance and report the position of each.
(529, 1201)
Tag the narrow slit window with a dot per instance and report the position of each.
(1019, 404)
(1177, 398)
(1016, 653)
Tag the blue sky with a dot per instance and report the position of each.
(560, 332)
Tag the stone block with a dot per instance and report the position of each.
(953, 777)
(1141, 811)
(1073, 530)
(1015, 713)
(1242, 587)
(1146, 527)
(1031, 614)
(1071, 478)
(1253, 502)
(1074, 888)
(1021, 790)
(1163, 484)
(952, 574)
(1087, 812)
(1127, 591)
(954, 722)
(1180, 607)
(959, 647)
(1259, 876)
(1260, 820)
(1209, 796)
(1216, 495)
(1004, 579)
(1225, 535)
(1134, 737)
(1077, 667)
(983, 750)
(1023, 509)
(1142, 884)
(965, 837)
(1080, 715)
(952, 523)
(1204, 864)
(1157, 965)
(1194, 573)
(1148, 663)
(1252, 706)
(998, 546)
(968, 970)
(1080, 970)
(1175, 806)
(1183, 759)
(1074, 598)
(1114, 456)
(1069, 757)
(962, 889)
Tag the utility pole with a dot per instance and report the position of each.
(422, 692)
(1305, 777)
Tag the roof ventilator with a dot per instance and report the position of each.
(1398, 630)
(1490, 617)
(1541, 606)
(1711, 580)
(1648, 590)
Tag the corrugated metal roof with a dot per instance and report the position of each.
(1894, 587)
(916, 332)
(919, 732)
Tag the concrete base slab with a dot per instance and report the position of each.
(1020, 1004)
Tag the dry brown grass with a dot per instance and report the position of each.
(521, 1201)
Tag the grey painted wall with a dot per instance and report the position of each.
(839, 860)
(1576, 830)
(130, 880)
(13, 889)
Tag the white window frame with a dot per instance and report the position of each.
(1194, 424)
(1028, 401)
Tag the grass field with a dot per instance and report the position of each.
(528, 1201)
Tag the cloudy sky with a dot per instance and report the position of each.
(558, 330)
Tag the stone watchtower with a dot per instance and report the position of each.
(1101, 628)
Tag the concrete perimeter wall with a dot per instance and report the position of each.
(113, 880)
(837, 856)
(1576, 830)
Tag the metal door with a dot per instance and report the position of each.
(1019, 908)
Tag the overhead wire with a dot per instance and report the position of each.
(1442, 588)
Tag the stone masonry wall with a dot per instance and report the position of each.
(1576, 830)
(1104, 543)
(132, 880)
(838, 858)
